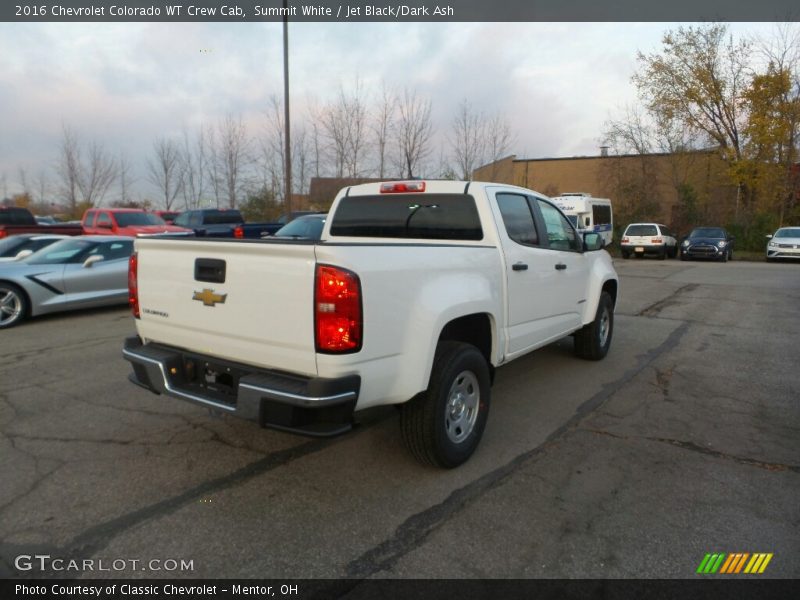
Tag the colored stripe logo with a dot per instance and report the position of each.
(735, 563)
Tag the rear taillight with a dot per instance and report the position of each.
(625, 240)
(133, 284)
(338, 319)
(656, 241)
(3, 233)
(238, 232)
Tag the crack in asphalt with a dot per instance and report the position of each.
(654, 309)
(417, 528)
(694, 447)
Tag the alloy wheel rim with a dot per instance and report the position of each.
(10, 306)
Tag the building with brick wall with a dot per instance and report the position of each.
(675, 189)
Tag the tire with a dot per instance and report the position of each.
(592, 341)
(443, 425)
(14, 305)
(626, 255)
(724, 258)
(663, 254)
(674, 252)
(684, 257)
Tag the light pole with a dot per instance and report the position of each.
(288, 149)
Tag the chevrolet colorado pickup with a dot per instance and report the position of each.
(414, 294)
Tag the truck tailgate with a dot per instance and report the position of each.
(258, 313)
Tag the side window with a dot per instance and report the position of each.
(103, 220)
(560, 234)
(196, 218)
(182, 220)
(518, 219)
(89, 222)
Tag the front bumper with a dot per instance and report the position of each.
(308, 405)
(703, 251)
(784, 251)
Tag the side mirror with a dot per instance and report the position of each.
(592, 241)
(90, 260)
(23, 254)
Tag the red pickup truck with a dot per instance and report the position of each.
(14, 220)
(126, 221)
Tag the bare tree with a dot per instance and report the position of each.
(498, 141)
(96, 174)
(165, 170)
(194, 166)
(273, 150)
(42, 187)
(467, 140)
(414, 129)
(126, 178)
(69, 167)
(213, 171)
(232, 156)
(23, 181)
(344, 123)
(382, 127)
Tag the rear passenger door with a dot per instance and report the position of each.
(537, 311)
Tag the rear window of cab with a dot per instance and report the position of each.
(408, 216)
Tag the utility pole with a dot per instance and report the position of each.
(288, 149)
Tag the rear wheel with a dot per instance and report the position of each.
(593, 340)
(663, 254)
(13, 305)
(443, 425)
(625, 254)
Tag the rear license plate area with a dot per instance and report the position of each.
(210, 379)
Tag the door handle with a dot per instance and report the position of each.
(561, 267)
(520, 266)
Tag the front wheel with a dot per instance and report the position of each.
(593, 340)
(443, 425)
(13, 305)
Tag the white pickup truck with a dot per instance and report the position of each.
(415, 292)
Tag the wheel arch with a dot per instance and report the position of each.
(476, 329)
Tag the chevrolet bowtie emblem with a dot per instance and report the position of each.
(209, 298)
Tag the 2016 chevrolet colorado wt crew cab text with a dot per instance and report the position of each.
(415, 292)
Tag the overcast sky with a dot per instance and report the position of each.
(125, 84)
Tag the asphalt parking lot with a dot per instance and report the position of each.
(684, 441)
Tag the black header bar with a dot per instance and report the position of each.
(237, 11)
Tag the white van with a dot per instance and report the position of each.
(588, 213)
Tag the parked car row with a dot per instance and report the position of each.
(711, 243)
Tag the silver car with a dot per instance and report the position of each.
(78, 272)
(784, 244)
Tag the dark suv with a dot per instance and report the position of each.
(707, 242)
